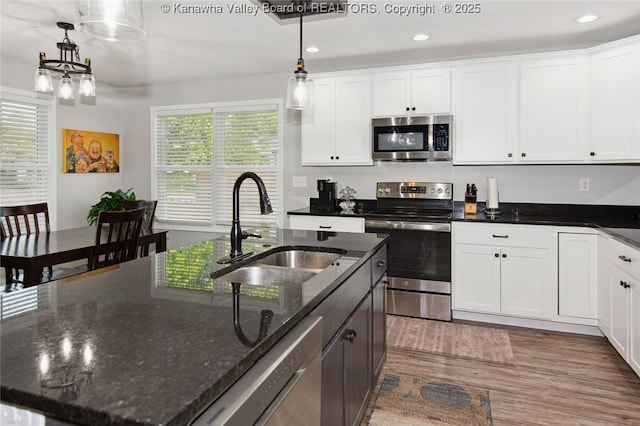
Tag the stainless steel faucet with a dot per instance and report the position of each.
(237, 235)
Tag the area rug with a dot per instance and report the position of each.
(406, 401)
(450, 338)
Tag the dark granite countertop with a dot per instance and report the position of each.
(622, 222)
(152, 341)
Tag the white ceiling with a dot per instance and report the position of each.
(183, 46)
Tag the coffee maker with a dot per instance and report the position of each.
(326, 195)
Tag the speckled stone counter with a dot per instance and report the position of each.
(152, 341)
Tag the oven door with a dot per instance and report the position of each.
(419, 250)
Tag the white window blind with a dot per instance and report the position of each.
(24, 151)
(201, 152)
(184, 160)
(246, 141)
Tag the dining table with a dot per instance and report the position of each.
(32, 253)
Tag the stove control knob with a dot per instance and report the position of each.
(387, 190)
(439, 190)
(380, 190)
(432, 190)
(447, 190)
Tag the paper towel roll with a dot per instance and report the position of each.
(492, 193)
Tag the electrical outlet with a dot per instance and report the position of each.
(584, 185)
(299, 181)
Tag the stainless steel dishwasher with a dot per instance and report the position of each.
(282, 388)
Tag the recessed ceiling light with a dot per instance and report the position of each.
(584, 19)
(420, 37)
(312, 49)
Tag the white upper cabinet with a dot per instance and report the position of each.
(614, 103)
(418, 92)
(553, 110)
(337, 130)
(485, 112)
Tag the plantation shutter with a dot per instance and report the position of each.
(246, 140)
(24, 151)
(184, 160)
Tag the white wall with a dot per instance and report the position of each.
(127, 112)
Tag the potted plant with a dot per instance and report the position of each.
(110, 201)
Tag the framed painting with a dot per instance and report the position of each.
(84, 151)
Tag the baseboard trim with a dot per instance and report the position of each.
(529, 323)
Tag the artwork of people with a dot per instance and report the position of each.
(90, 152)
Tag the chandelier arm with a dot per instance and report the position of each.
(55, 65)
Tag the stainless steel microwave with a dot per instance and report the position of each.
(421, 138)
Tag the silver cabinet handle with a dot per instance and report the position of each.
(381, 263)
(624, 258)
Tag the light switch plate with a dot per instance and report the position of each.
(299, 181)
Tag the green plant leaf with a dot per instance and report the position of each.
(109, 201)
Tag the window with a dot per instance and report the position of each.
(26, 174)
(200, 151)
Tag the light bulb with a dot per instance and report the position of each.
(87, 85)
(44, 83)
(65, 91)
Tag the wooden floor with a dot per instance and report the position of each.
(558, 379)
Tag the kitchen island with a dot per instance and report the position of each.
(152, 341)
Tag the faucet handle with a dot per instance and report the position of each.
(246, 235)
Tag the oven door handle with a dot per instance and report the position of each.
(407, 226)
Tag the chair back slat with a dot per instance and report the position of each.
(117, 236)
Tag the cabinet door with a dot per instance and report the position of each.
(614, 104)
(431, 91)
(353, 121)
(333, 384)
(391, 94)
(604, 288)
(485, 108)
(318, 126)
(578, 275)
(476, 278)
(526, 281)
(379, 327)
(358, 371)
(634, 324)
(553, 110)
(619, 337)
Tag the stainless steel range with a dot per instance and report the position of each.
(417, 216)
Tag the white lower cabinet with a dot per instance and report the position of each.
(623, 279)
(503, 269)
(327, 223)
(604, 287)
(578, 275)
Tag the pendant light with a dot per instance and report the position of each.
(113, 20)
(300, 85)
(68, 65)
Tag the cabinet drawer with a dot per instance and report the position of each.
(379, 265)
(624, 257)
(531, 236)
(327, 223)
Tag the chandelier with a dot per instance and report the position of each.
(67, 66)
(300, 85)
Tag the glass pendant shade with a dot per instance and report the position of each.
(44, 82)
(87, 85)
(300, 91)
(114, 20)
(66, 88)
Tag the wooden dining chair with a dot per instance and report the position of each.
(23, 220)
(149, 217)
(117, 237)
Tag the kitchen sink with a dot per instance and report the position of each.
(268, 275)
(301, 259)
